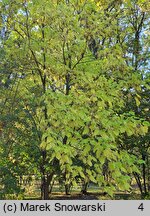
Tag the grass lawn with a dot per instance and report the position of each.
(94, 193)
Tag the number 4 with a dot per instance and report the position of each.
(141, 207)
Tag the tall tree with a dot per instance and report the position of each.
(71, 73)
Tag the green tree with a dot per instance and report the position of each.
(72, 73)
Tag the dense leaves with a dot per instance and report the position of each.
(74, 92)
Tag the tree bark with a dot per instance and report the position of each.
(137, 178)
(67, 189)
(45, 186)
(144, 173)
(84, 188)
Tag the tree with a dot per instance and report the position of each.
(137, 97)
(70, 66)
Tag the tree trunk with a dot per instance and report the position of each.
(84, 188)
(45, 180)
(137, 178)
(148, 173)
(44, 189)
(144, 173)
(67, 189)
(45, 186)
